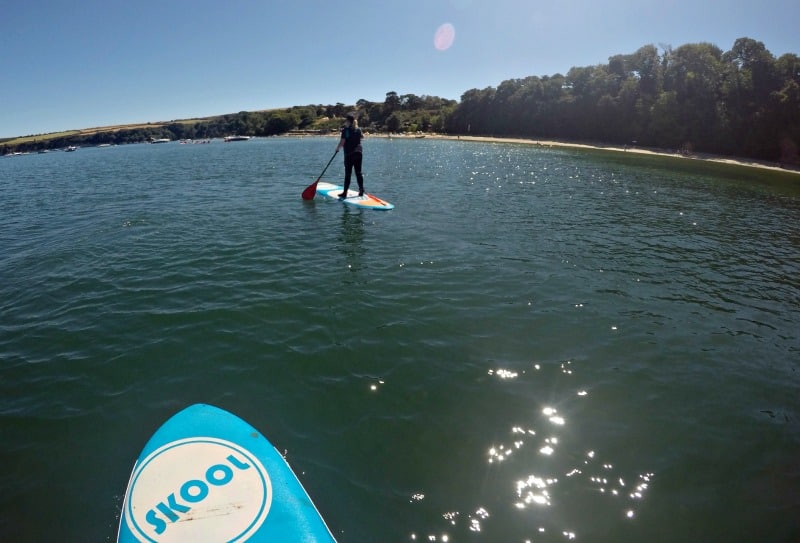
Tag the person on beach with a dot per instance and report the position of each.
(351, 141)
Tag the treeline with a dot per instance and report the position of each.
(245, 123)
(696, 98)
(396, 113)
(406, 113)
(741, 102)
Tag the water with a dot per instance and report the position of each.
(535, 345)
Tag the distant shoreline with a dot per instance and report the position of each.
(702, 157)
(742, 162)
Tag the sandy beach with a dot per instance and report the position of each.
(633, 149)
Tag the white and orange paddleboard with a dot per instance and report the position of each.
(367, 201)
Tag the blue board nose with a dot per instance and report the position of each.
(208, 476)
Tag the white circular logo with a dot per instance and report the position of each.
(196, 489)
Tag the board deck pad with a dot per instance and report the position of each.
(368, 201)
(207, 476)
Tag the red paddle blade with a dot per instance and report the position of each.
(310, 191)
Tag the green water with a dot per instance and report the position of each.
(535, 345)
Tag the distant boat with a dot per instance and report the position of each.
(70, 149)
(161, 140)
(236, 138)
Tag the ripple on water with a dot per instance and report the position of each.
(387, 352)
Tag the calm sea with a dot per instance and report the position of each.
(536, 345)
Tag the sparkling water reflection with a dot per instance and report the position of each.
(553, 482)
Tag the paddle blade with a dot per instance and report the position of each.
(310, 191)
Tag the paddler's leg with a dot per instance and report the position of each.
(357, 157)
(348, 172)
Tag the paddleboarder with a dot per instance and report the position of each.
(351, 141)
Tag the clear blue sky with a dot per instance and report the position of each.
(84, 63)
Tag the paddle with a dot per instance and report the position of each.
(311, 190)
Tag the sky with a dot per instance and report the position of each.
(83, 63)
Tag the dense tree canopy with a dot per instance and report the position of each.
(741, 102)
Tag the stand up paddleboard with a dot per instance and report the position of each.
(207, 476)
(368, 201)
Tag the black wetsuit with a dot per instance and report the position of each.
(352, 157)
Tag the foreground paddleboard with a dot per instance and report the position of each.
(207, 476)
(368, 201)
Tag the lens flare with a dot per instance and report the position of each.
(444, 37)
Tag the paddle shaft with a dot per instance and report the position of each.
(308, 194)
(328, 164)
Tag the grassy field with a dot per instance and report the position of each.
(10, 142)
(38, 137)
(95, 130)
